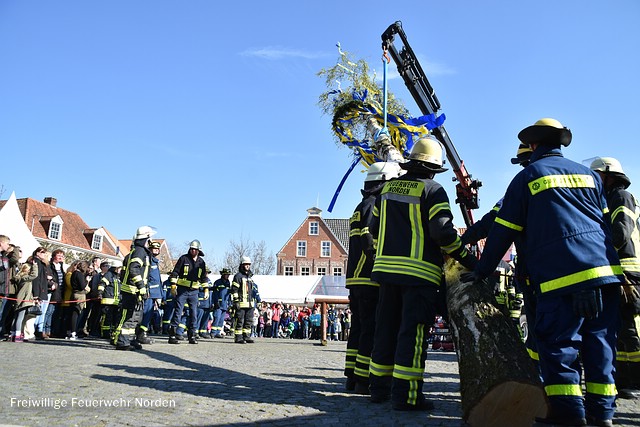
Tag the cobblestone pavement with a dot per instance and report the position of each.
(273, 382)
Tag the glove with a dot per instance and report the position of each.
(631, 297)
(587, 303)
(174, 290)
(206, 293)
(517, 304)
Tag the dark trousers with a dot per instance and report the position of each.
(218, 321)
(363, 301)
(147, 311)
(203, 320)
(628, 362)
(189, 296)
(567, 343)
(128, 318)
(108, 322)
(243, 320)
(6, 315)
(403, 318)
(90, 317)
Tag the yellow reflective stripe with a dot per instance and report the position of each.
(628, 356)
(188, 283)
(382, 231)
(361, 281)
(509, 224)
(403, 188)
(454, 247)
(407, 373)
(108, 301)
(380, 370)
(563, 390)
(624, 210)
(417, 351)
(602, 389)
(409, 266)
(361, 372)
(364, 231)
(136, 279)
(354, 232)
(363, 359)
(533, 354)
(444, 206)
(630, 264)
(580, 276)
(360, 265)
(560, 181)
(417, 231)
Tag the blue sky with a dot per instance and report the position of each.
(200, 118)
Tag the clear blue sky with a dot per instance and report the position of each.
(200, 117)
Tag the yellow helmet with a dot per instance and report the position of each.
(522, 155)
(546, 131)
(428, 151)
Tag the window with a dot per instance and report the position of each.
(337, 271)
(96, 244)
(302, 248)
(55, 230)
(326, 249)
(304, 271)
(313, 228)
(288, 270)
(322, 271)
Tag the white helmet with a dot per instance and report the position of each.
(245, 260)
(144, 232)
(383, 171)
(115, 263)
(606, 164)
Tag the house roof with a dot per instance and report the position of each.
(37, 216)
(340, 228)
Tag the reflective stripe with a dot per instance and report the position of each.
(628, 356)
(361, 281)
(533, 354)
(444, 206)
(380, 370)
(563, 390)
(630, 264)
(109, 301)
(580, 276)
(188, 283)
(417, 352)
(407, 373)
(560, 181)
(508, 224)
(408, 266)
(363, 359)
(602, 389)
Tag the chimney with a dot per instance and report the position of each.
(51, 201)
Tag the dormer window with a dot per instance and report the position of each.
(96, 243)
(55, 228)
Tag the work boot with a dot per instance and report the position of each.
(592, 421)
(247, 339)
(350, 384)
(422, 405)
(142, 338)
(135, 344)
(239, 339)
(173, 339)
(628, 393)
(193, 340)
(205, 336)
(361, 388)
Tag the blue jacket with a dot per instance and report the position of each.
(154, 280)
(559, 207)
(221, 296)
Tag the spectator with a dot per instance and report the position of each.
(40, 287)
(24, 298)
(54, 314)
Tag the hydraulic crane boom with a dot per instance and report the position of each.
(424, 95)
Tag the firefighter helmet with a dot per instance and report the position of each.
(115, 263)
(427, 151)
(522, 155)
(546, 131)
(195, 244)
(225, 271)
(383, 171)
(154, 245)
(144, 232)
(609, 165)
(245, 260)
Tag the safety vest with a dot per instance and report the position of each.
(361, 244)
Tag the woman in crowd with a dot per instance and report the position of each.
(23, 282)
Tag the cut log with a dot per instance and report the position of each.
(499, 384)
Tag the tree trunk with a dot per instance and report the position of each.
(499, 383)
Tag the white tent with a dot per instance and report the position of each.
(285, 289)
(12, 225)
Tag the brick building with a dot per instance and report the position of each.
(318, 247)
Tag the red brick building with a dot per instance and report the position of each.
(318, 247)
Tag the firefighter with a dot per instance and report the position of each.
(413, 226)
(363, 292)
(133, 290)
(560, 206)
(243, 297)
(154, 294)
(625, 212)
(188, 276)
(220, 299)
(109, 294)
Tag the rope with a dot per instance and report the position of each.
(50, 302)
(385, 97)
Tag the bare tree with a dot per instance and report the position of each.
(261, 261)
